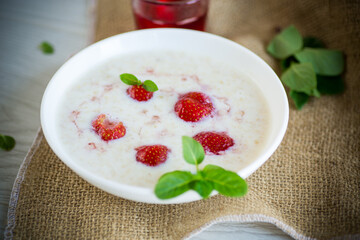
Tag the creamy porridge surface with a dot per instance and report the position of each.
(240, 110)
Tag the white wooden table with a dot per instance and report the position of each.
(25, 72)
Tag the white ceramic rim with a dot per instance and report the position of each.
(145, 194)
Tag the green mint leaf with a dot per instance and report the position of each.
(150, 86)
(173, 184)
(325, 62)
(7, 143)
(330, 85)
(299, 99)
(193, 151)
(300, 77)
(210, 167)
(315, 93)
(204, 188)
(129, 79)
(286, 63)
(46, 48)
(286, 43)
(313, 42)
(225, 182)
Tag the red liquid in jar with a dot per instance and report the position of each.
(149, 15)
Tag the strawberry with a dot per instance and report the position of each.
(138, 93)
(152, 155)
(200, 97)
(193, 106)
(214, 142)
(108, 130)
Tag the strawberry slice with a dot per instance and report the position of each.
(200, 97)
(214, 142)
(138, 93)
(108, 130)
(152, 155)
(193, 106)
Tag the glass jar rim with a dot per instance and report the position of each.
(178, 2)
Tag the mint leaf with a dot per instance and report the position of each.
(173, 184)
(204, 188)
(299, 98)
(315, 93)
(286, 63)
(286, 43)
(7, 143)
(225, 182)
(46, 48)
(193, 151)
(129, 79)
(300, 77)
(325, 62)
(150, 86)
(210, 167)
(313, 42)
(330, 85)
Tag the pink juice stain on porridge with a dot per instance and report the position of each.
(135, 141)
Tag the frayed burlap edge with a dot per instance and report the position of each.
(11, 221)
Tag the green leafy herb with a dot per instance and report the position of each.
(46, 48)
(203, 187)
(308, 68)
(173, 184)
(325, 62)
(130, 79)
(7, 143)
(330, 85)
(225, 182)
(286, 43)
(313, 42)
(299, 98)
(286, 63)
(300, 77)
(150, 86)
(316, 93)
(203, 181)
(193, 152)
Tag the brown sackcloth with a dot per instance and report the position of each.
(309, 188)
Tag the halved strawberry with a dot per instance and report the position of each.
(108, 129)
(193, 106)
(214, 142)
(139, 93)
(200, 97)
(152, 155)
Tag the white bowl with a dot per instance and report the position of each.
(163, 39)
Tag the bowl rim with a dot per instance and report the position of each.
(189, 196)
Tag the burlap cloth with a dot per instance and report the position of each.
(309, 188)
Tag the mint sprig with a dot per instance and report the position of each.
(7, 143)
(204, 181)
(308, 68)
(130, 79)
